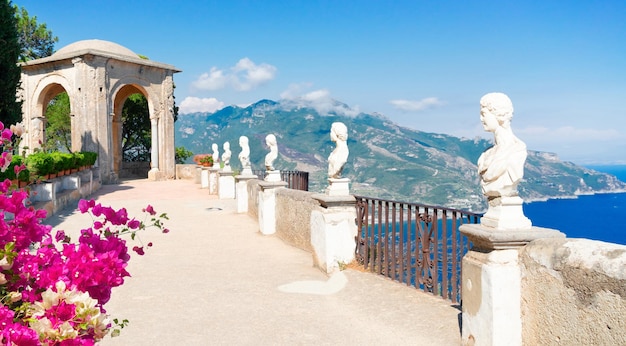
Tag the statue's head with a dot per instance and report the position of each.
(499, 105)
(340, 131)
(270, 140)
(226, 145)
(243, 140)
(214, 146)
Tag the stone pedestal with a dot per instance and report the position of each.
(272, 176)
(241, 191)
(333, 231)
(204, 177)
(491, 280)
(155, 175)
(198, 176)
(213, 180)
(338, 187)
(506, 213)
(226, 185)
(267, 205)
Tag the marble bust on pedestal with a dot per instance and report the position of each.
(244, 156)
(501, 167)
(226, 157)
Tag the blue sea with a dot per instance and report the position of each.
(598, 217)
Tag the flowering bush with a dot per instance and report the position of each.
(53, 290)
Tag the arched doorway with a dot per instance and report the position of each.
(98, 77)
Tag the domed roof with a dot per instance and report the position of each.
(101, 45)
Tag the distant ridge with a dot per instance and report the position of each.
(386, 160)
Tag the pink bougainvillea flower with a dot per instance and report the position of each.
(139, 250)
(149, 210)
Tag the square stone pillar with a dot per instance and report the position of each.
(198, 176)
(226, 185)
(241, 191)
(267, 205)
(272, 176)
(491, 283)
(204, 177)
(333, 231)
(213, 180)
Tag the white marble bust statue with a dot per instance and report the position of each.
(339, 156)
(270, 140)
(226, 155)
(216, 154)
(244, 155)
(501, 167)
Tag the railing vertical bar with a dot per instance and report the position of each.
(455, 262)
(402, 269)
(435, 244)
(445, 292)
(387, 240)
(380, 243)
(392, 243)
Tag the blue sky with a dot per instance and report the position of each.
(423, 64)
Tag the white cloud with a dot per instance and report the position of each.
(294, 90)
(213, 80)
(416, 106)
(320, 100)
(244, 76)
(195, 104)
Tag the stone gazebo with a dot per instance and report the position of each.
(98, 77)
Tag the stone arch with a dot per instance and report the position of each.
(98, 76)
(121, 92)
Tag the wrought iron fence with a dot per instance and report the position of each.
(415, 244)
(296, 180)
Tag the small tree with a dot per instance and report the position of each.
(136, 139)
(59, 126)
(182, 154)
(10, 72)
(35, 40)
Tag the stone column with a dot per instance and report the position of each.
(154, 155)
(491, 281)
(267, 205)
(226, 185)
(213, 180)
(273, 175)
(204, 178)
(241, 193)
(333, 231)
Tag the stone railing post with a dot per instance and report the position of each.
(204, 177)
(213, 182)
(491, 281)
(226, 185)
(267, 205)
(333, 231)
(241, 193)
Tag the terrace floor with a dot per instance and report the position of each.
(216, 280)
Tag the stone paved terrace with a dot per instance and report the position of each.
(215, 280)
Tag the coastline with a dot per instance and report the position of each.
(574, 196)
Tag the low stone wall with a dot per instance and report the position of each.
(573, 292)
(187, 172)
(58, 193)
(293, 217)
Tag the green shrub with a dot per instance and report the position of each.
(90, 158)
(40, 163)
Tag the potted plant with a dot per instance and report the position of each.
(207, 161)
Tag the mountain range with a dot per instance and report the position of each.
(386, 160)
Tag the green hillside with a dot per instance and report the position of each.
(386, 160)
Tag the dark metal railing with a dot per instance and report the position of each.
(415, 244)
(296, 180)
